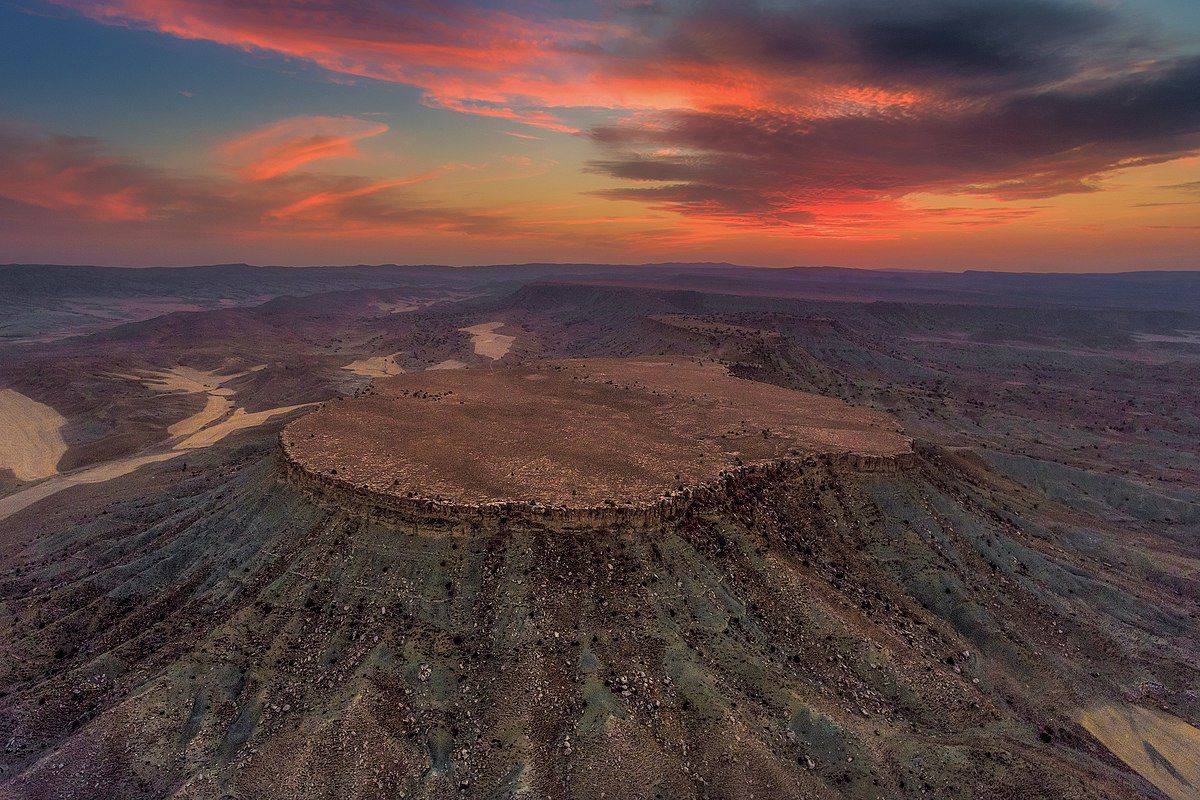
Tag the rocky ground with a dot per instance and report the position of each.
(987, 622)
(581, 433)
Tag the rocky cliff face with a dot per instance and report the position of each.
(404, 507)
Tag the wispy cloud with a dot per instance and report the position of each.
(291, 143)
(80, 179)
(811, 115)
(465, 56)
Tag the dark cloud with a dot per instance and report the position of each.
(771, 112)
(938, 43)
(1010, 100)
(1017, 41)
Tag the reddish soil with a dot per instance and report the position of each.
(574, 433)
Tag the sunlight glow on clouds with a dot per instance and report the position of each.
(842, 120)
(291, 143)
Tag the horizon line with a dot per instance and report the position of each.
(602, 264)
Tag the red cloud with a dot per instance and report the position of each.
(285, 145)
(478, 60)
(494, 63)
(319, 203)
(76, 180)
(814, 115)
(73, 175)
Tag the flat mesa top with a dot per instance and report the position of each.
(573, 433)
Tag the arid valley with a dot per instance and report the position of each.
(572, 531)
(599, 400)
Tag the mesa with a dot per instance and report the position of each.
(583, 440)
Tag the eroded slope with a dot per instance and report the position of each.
(836, 635)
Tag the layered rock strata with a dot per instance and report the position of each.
(447, 514)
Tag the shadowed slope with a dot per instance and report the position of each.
(827, 636)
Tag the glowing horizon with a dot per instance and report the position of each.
(998, 134)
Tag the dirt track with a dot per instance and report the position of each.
(215, 407)
(238, 420)
(104, 472)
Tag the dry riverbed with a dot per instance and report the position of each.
(29, 425)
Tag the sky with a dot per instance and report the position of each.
(1041, 135)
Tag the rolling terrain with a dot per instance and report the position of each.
(1012, 609)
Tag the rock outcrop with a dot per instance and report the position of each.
(405, 506)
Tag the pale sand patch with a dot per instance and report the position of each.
(206, 437)
(205, 428)
(1185, 337)
(31, 441)
(238, 420)
(188, 380)
(399, 307)
(449, 363)
(487, 342)
(217, 406)
(1163, 749)
(415, 304)
(375, 367)
(104, 472)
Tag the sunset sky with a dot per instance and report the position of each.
(941, 134)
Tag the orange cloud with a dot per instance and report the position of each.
(527, 67)
(802, 119)
(478, 60)
(75, 180)
(72, 175)
(331, 198)
(285, 145)
(539, 119)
